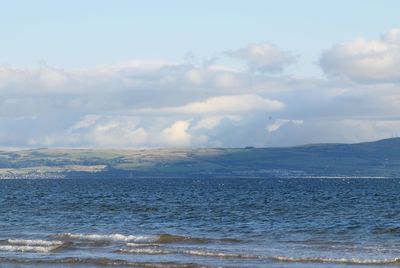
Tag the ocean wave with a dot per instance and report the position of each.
(35, 242)
(37, 249)
(142, 244)
(169, 238)
(159, 239)
(98, 262)
(393, 261)
(241, 255)
(219, 254)
(139, 249)
(108, 237)
(38, 246)
(146, 251)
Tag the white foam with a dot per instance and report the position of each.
(149, 251)
(36, 242)
(38, 249)
(110, 237)
(338, 260)
(136, 249)
(142, 244)
(205, 253)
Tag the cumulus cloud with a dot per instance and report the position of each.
(368, 61)
(156, 103)
(97, 131)
(177, 134)
(41, 79)
(210, 122)
(117, 134)
(132, 104)
(222, 105)
(281, 122)
(263, 57)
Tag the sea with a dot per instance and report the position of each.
(200, 222)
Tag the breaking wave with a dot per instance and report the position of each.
(142, 245)
(140, 249)
(147, 251)
(169, 238)
(36, 242)
(109, 237)
(98, 262)
(394, 261)
(38, 246)
(218, 254)
(160, 239)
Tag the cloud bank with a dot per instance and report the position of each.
(367, 61)
(265, 57)
(157, 103)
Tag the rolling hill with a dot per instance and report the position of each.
(370, 159)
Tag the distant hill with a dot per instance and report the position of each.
(370, 159)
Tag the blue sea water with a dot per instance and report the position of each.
(202, 222)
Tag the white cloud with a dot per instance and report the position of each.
(226, 80)
(119, 136)
(210, 122)
(87, 121)
(177, 134)
(98, 131)
(136, 104)
(195, 77)
(365, 60)
(263, 57)
(117, 132)
(140, 104)
(41, 79)
(221, 105)
(281, 122)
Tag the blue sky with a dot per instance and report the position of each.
(95, 73)
(80, 33)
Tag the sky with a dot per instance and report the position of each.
(155, 74)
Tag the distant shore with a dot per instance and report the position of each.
(380, 159)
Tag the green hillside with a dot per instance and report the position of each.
(380, 158)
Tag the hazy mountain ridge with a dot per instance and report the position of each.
(379, 158)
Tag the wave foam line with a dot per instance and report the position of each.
(219, 254)
(136, 249)
(146, 251)
(337, 260)
(134, 245)
(72, 261)
(161, 239)
(36, 242)
(37, 249)
(27, 245)
(109, 237)
(169, 238)
(222, 254)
